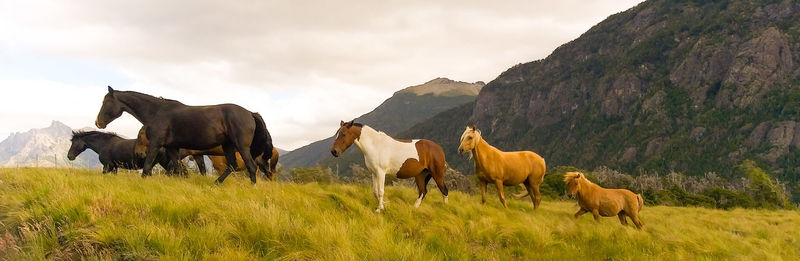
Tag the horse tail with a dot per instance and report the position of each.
(641, 200)
(262, 141)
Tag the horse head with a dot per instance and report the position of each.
(574, 180)
(77, 147)
(469, 139)
(348, 133)
(140, 148)
(111, 110)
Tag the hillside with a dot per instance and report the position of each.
(405, 108)
(687, 86)
(45, 147)
(75, 213)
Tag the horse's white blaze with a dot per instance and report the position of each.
(383, 155)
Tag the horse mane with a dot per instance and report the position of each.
(569, 176)
(150, 96)
(82, 134)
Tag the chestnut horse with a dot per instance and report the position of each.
(503, 168)
(173, 125)
(219, 163)
(216, 155)
(140, 149)
(602, 201)
(420, 159)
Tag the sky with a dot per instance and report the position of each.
(304, 65)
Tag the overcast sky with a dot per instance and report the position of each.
(304, 65)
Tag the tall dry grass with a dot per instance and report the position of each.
(72, 214)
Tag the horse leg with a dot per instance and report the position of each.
(381, 181)
(580, 212)
(622, 219)
(531, 193)
(244, 150)
(421, 188)
(500, 192)
(106, 168)
(201, 163)
(150, 159)
(636, 221)
(537, 197)
(230, 157)
(483, 191)
(596, 214)
(439, 178)
(176, 165)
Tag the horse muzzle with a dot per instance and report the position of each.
(71, 157)
(99, 125)
(335, 153)
(461, 151)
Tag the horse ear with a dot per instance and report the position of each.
(341, 123)
(110, 89)
(351, 122)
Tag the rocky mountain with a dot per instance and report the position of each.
(46, 147)
(405, 108)
(688, 86)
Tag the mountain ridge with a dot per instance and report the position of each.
(688, 86)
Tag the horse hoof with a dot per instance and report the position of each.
(445, 200)
(377, 210)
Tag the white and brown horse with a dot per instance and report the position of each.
(420, 159)
(503, 168)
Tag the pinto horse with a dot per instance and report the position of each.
(602, 201)
(420, 159)
(503, 168)
(114, 151)
(172, 125)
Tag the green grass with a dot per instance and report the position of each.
(72, 214)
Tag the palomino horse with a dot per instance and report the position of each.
(173, 125)
(421, 159)
(602, 201)
(503, 168)
(114, 151)
(216, 155)
(268, 168)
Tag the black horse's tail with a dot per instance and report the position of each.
(262, 141)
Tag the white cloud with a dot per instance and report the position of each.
(304, 64)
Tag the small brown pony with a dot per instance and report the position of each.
(503, 168)
(602, 201)
(220, 163)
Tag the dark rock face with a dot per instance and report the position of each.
(665, 86)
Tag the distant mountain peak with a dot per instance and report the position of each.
(44, 147)
(445, 87)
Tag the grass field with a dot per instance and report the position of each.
(73, 213)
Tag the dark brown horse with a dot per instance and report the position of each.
(114, 151)
(173, 125)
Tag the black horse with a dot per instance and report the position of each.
(173, 125)
(114, 151)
